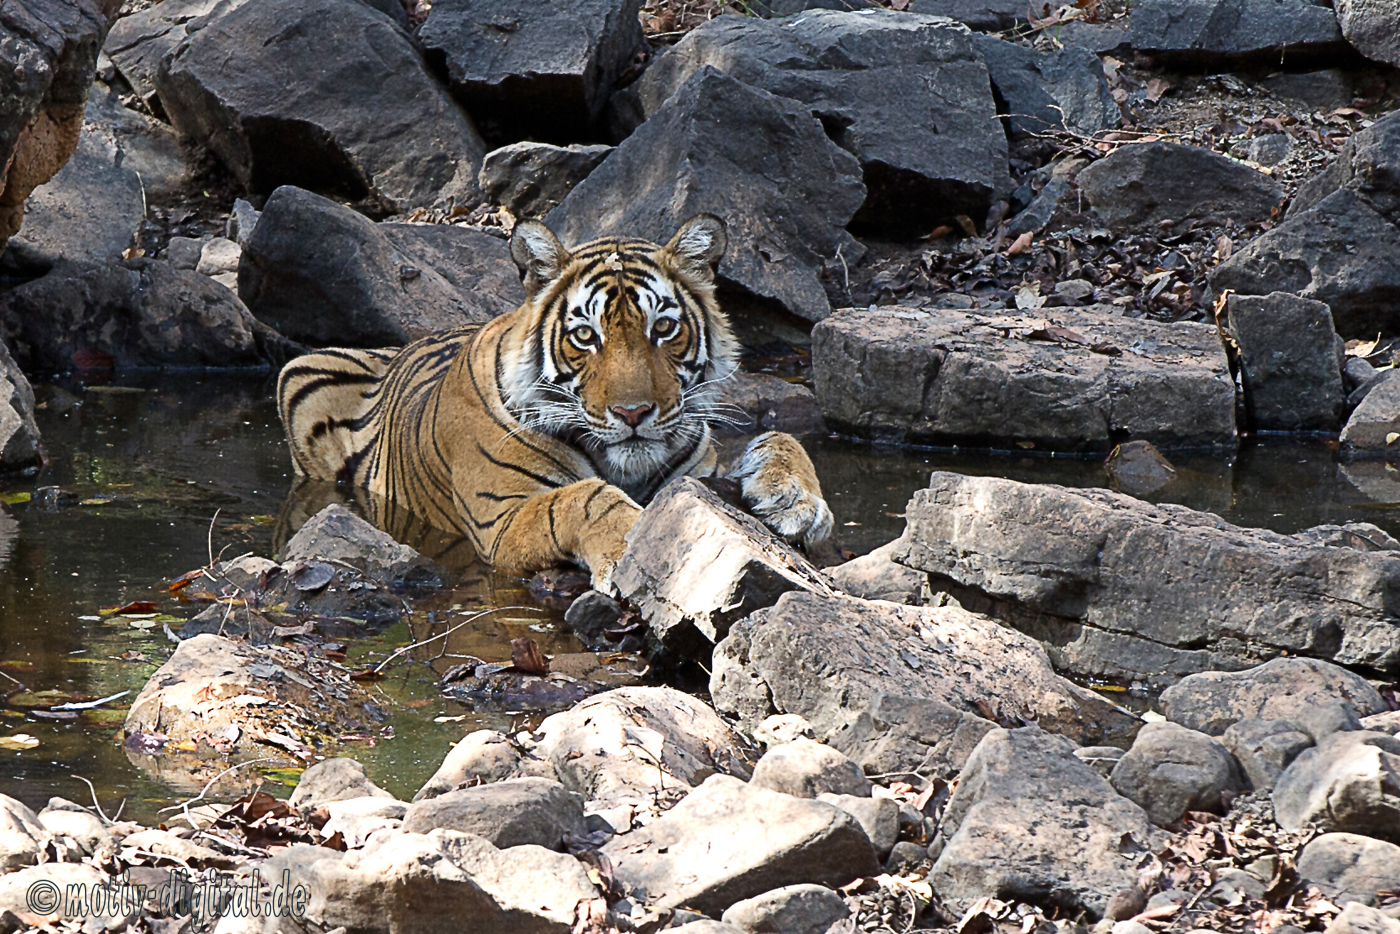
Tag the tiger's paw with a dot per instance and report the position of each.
(780, 487)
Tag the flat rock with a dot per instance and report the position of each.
(480, 757)
(876, 576)
(1056, 379)
(1050, 90)
(1385, 722)
(907, 95)
(531, 179)
(54, 877)
(761, 162)
(331, 780)
(337, 535)
(1371, 429)
(1282, 689)
(806, 769)
(982, 15)
(1222, 32)
(1122, 589)
(792, 909)
(1137, 187)
(828, 659)
(694, 564)
(19, 435)
(1350, 782)
(321, 273)
(1171, 770)
(533, 67)
(728, 841)
(367, 123)
(1349, 867)
(1030, 821)
(508, 813)
(1372, 27)
(1289, 362)
(1264, 748)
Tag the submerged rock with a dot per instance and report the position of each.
(337, 535)
(1138, 468)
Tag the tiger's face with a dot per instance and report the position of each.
(621, 346)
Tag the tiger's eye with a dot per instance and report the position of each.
(664, 327)
(583, 334)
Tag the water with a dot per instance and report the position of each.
(143, 467)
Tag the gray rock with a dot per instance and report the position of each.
(1288, 362)
(532, 67)
(337, 535)
(480, 757)
(1369, 164)
(1044, 91)
(1372, 27)
(369, 124)
(1121, 589)
(1223, 32)
(916, 736)
(184, 252)
(147, 146)
(1323, 90)
(1268, 149)
(1264, 748)
(218, 255)
(508, 813)
(1282, 689)
(828, 659)
(323, 274)
(1171, 770)
(1349, 867)
(592, 615)
(1031, 822)
(331, 780)
(58, 878)
(1138, 469)
(1369, 430)
(728, 841)
(78, 829)
(994, 381)
(1350, 782)
(793, 909)
(720, 146)
(707, 926)
(530, 179)
(1324, 719)
(905, 857)
(1099, 39)
(982, 15)
(771, 403)
(22, 835)
(1101, 759)
(907, 95)
(19, 435)
(241, 221)
(357, 819)
(878, 817)
(140, 41)
(1137, 187)
(1386, 722)
(1357, 918)
(876, 577)
(1358, 374)
(805, 769)
(1039, 212)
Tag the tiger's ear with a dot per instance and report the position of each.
(698, 245)
(538, 253)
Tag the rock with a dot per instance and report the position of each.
(793, 909)
(170, 845)
(598, 621)
(878, 817)
(369, 124)
(184, 252)
(695, 564)
(19, 435)
(1268, 149)
(333, 780)
(1215, 33)
(77, 828)
(1349, 782)
(607, 747)
(706, 926)
(532, 68)
(805, 769)
(782, 728)
(1288, 362)
(481, 757)
(1371, 430)
(326, 275)
(1031, 822)
(1036, 215)
(1135, 187)
(1357, 375)
(357, 819)
(337, 535)
(720, 146)
(22, 835)
(446, 881)
(219, 255)
(907, 95)
(141, 313)
(508, 813)
(147, 146)
(829, 659)
(993, 381)
(1137, 468)
(53, 879)
(1120, 589)
(1283, 689)
(531, 179)
(1340, 251)
(728, 841)
(1387, 722)
(1323, 90)
(913, 736)
(1372, 28)
(48, 53)
(1044, 91)
(1099, 39)
(139, 41)
(772, 404)
(1327, 718)
(1349, 867)
(1101, 759)
(877, 577)
(1264, 748)
(1171, 770)
(89, 212)
(1357, 918)
(982, 15)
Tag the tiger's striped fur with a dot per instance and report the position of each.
(538, 434)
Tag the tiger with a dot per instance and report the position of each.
(542, 434)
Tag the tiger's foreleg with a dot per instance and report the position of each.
(780, 487)
(585, 523)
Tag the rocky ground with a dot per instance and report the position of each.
(1075, 229)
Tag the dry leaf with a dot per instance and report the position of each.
(1357, 348)
(1020, 244)
(1156, 88)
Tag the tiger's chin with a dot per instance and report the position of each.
(633, 461)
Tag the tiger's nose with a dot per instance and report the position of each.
(632, 414)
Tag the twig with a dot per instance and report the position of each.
(93, 791)
(88, 705)
(442, 635)
(211, 535)
(184, 806)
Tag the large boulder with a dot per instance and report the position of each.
(1213, 33)
(147, 146)
(534, 67)
(1139, 187)
(19, 435)
(1171, 770)
(1372, 27)
(1031, 822)
(514, 812)
(140, 40)
(728, 841)
(1122, 589)
(1059, 380)
(329, 95)
(907, 95)
(1281, 689)
(321, 273)
(982, 15)
(828, 659)
(1349, 867)
(1049, 90)
(761, 162)
(1349, 782)
(1289, 362)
